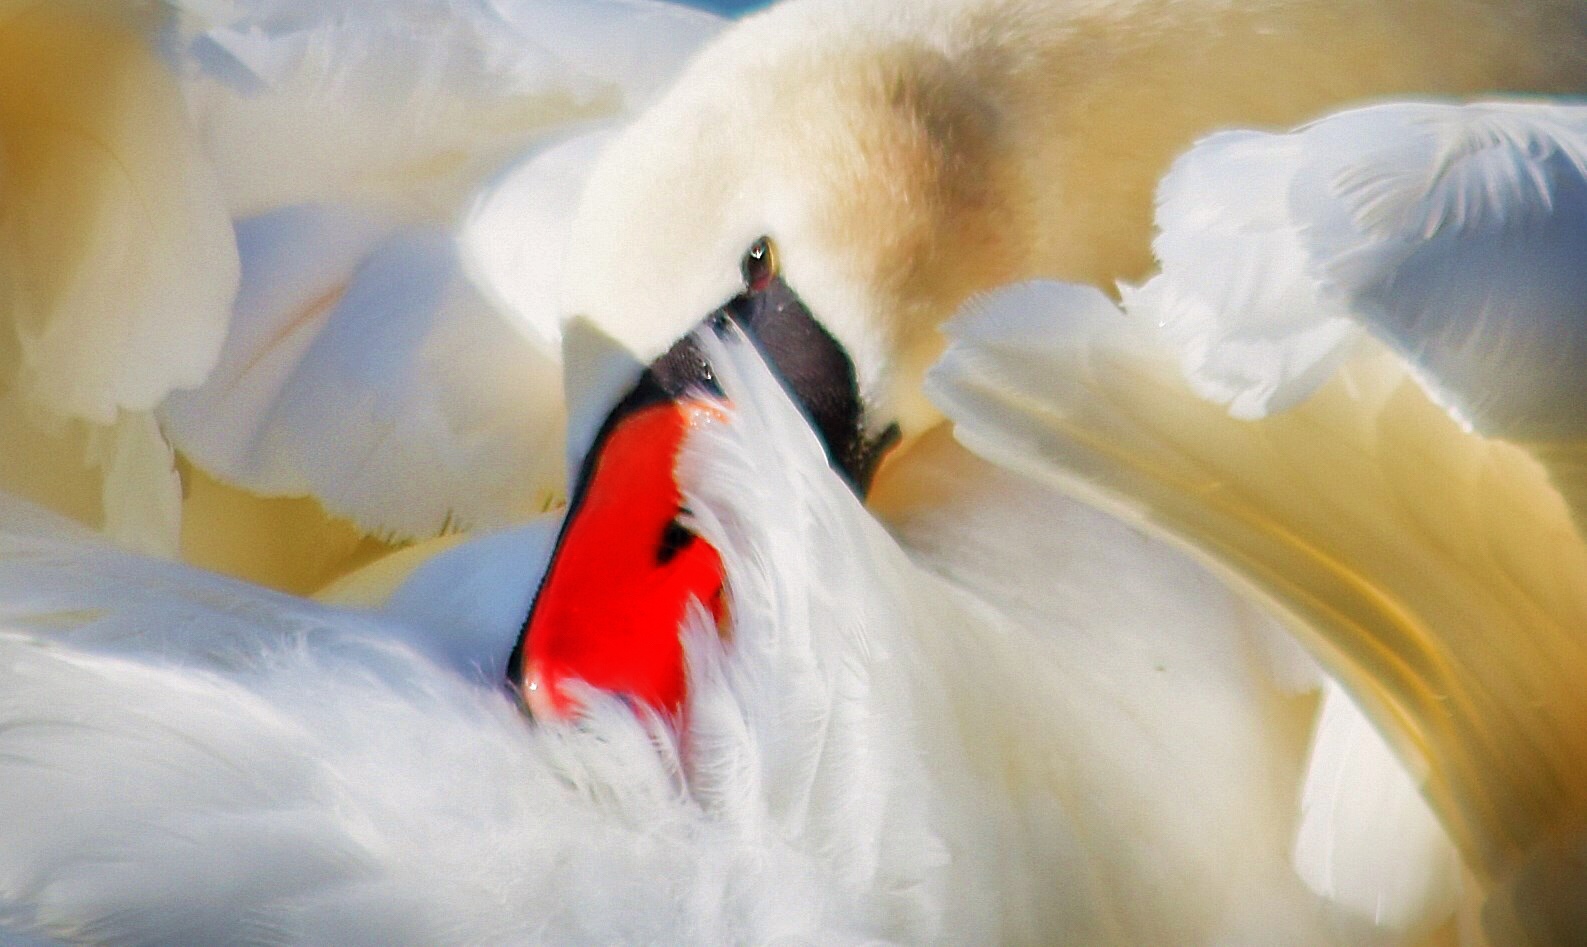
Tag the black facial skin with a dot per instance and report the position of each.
(818, 374)
(809, 362)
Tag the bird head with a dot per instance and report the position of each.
(628, 567)
(836, 209)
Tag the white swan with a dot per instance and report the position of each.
(930, 124)
(923, 84)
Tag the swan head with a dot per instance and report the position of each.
(886, 177)
(837, 204)
(627, 567)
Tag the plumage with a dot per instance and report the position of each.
(410, 102)
(1355, 787)
(1447, 231)
(117, 254)
(372, 782)
(1436, 574)
(340, 381)
(514, 241)
(1450, 234)
(353, 140)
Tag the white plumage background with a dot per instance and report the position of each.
(1229, 586)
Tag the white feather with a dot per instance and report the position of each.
(1452, 232)
(515, 238)
(395, 365)
(118, 256)
(411, 102)
(1056, 670)
(1457, 233)
(365, 369)
(1367, 839)
(1236, 292)
(472, 600)
(887, 749)
(289, 773)
(142, 494)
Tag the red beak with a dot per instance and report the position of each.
(623, 575)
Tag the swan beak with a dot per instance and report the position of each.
(625, 573)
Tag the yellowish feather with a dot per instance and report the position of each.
(1438, 574)
(117, 262)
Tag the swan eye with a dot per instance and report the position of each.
(759, 265)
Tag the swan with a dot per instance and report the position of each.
(966, 129)
(628, 275)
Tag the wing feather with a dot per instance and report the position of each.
(1435, 573)
(396, 365)
(1454, 233)
(411, 102)
(1367, 839)
(365, 369)
(1457, 234)
(118, 255)
(1257, 332)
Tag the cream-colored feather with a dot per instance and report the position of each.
(117, 263)
(1437, 574)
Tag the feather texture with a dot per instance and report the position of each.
(118, 255)
(411, 102)
(888, 749)
(1367, 839)
(390, 355)
(364, 368)
(515, 239)
(117, 262)
(1436, 574)
(1453, 233)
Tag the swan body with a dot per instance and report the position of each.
(872, 758)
